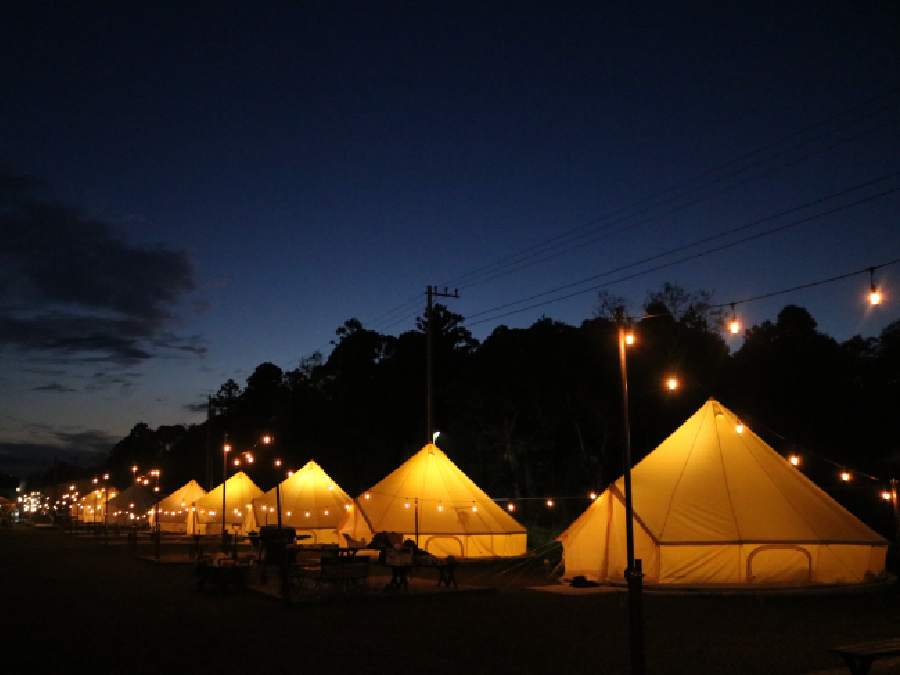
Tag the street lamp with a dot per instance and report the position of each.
(633, 574)
(226, 448)
(157, 534)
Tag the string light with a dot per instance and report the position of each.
(734, 325)
(875, 295)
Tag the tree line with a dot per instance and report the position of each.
(536, 412)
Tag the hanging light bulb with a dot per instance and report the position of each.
(875, 295)
(734, 324)
(630, 337)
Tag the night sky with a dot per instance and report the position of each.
(189, 192)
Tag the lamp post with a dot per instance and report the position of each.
(633, 574)
(157, 530)
(226, 448)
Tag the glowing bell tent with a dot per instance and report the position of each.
(240, 492)
(178, 511)
(91, 506)
(130, 506)
(714, 504)
(311, 502)
(454, 516)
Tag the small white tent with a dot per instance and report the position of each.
(714, 504)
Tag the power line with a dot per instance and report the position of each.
(511, 259)
(700, 254)
(696, 242)
(596, 235)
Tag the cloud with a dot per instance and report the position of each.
(55, 387)
(76, 447)
(71, 289)
(198, 407)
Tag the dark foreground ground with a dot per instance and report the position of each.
(75, 605)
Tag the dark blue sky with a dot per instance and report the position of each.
(261, 174)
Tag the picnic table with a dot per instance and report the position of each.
(223, 571)
(859, 657)
(337, 567)
(402, 561)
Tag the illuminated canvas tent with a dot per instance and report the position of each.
(178, 511)
(91, 506)
(454, 516)
(130, 506)
(714, 504)
(240, 492)
(311, 503)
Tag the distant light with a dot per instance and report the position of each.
(306, 514)
(440, 508)
(592, 496)
(434, 437)
(739, 428)
(630, 338)
(237, 462)
(134, 468)
(288, 513)
(267, 439)
(795, 460)
(106, 476)
(405, 505)
(348, 507)
(277, 462)
(846, 476)
(510, 507)
(887, 495)
(290, 473)
(672, 383)
(474, 508)
(367, 496)
(226, 448)
(550, 503)
(325, 512)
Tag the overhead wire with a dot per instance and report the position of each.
(511, 258)
(692, 244)
(694, 256)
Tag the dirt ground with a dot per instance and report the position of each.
(75, 605)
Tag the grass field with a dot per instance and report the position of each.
(75, 605)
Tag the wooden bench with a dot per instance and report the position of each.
(860, 657)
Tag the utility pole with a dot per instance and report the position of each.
(431, 292)
(209, 459)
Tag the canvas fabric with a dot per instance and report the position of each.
(455, 517)
(715, 506)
